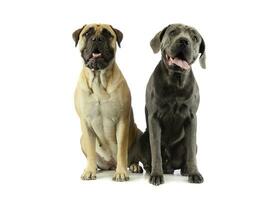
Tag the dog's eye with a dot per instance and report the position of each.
(89, 32)
(106, 33)
(173, 32)
(195, 39)
(86, 34)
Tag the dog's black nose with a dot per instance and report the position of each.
(183, 41)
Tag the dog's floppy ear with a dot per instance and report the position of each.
(202, 57)
(155, 42)
(119, 35)
(76, 35)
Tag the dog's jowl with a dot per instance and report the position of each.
(103, 103)
(172, 99)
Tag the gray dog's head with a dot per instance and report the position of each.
(180, 46)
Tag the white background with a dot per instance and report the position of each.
(238, 118)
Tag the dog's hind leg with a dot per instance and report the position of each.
(135, 168)
(133, 154)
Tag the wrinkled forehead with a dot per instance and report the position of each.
(98, 28)
(95, 29)
(177, 30)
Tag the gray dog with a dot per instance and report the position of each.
(172, 99)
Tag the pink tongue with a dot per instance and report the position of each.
(96, 55)
(181, 63)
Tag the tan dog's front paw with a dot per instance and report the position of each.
(121, 176)
(89, 175)
(135, 168)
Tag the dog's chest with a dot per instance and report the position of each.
(173, 116)
(103, 116)
(174, 109)
(98, 111)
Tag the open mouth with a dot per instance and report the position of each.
(182, 63)
(96, 55)
(92, 61)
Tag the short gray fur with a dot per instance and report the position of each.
(172, 99)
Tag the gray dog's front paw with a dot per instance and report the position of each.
(156, 179)
(196, 178)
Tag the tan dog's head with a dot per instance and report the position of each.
(180, 46)
(97, 44)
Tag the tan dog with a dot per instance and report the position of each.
(103, 103)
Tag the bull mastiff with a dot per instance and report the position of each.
(103, 103)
